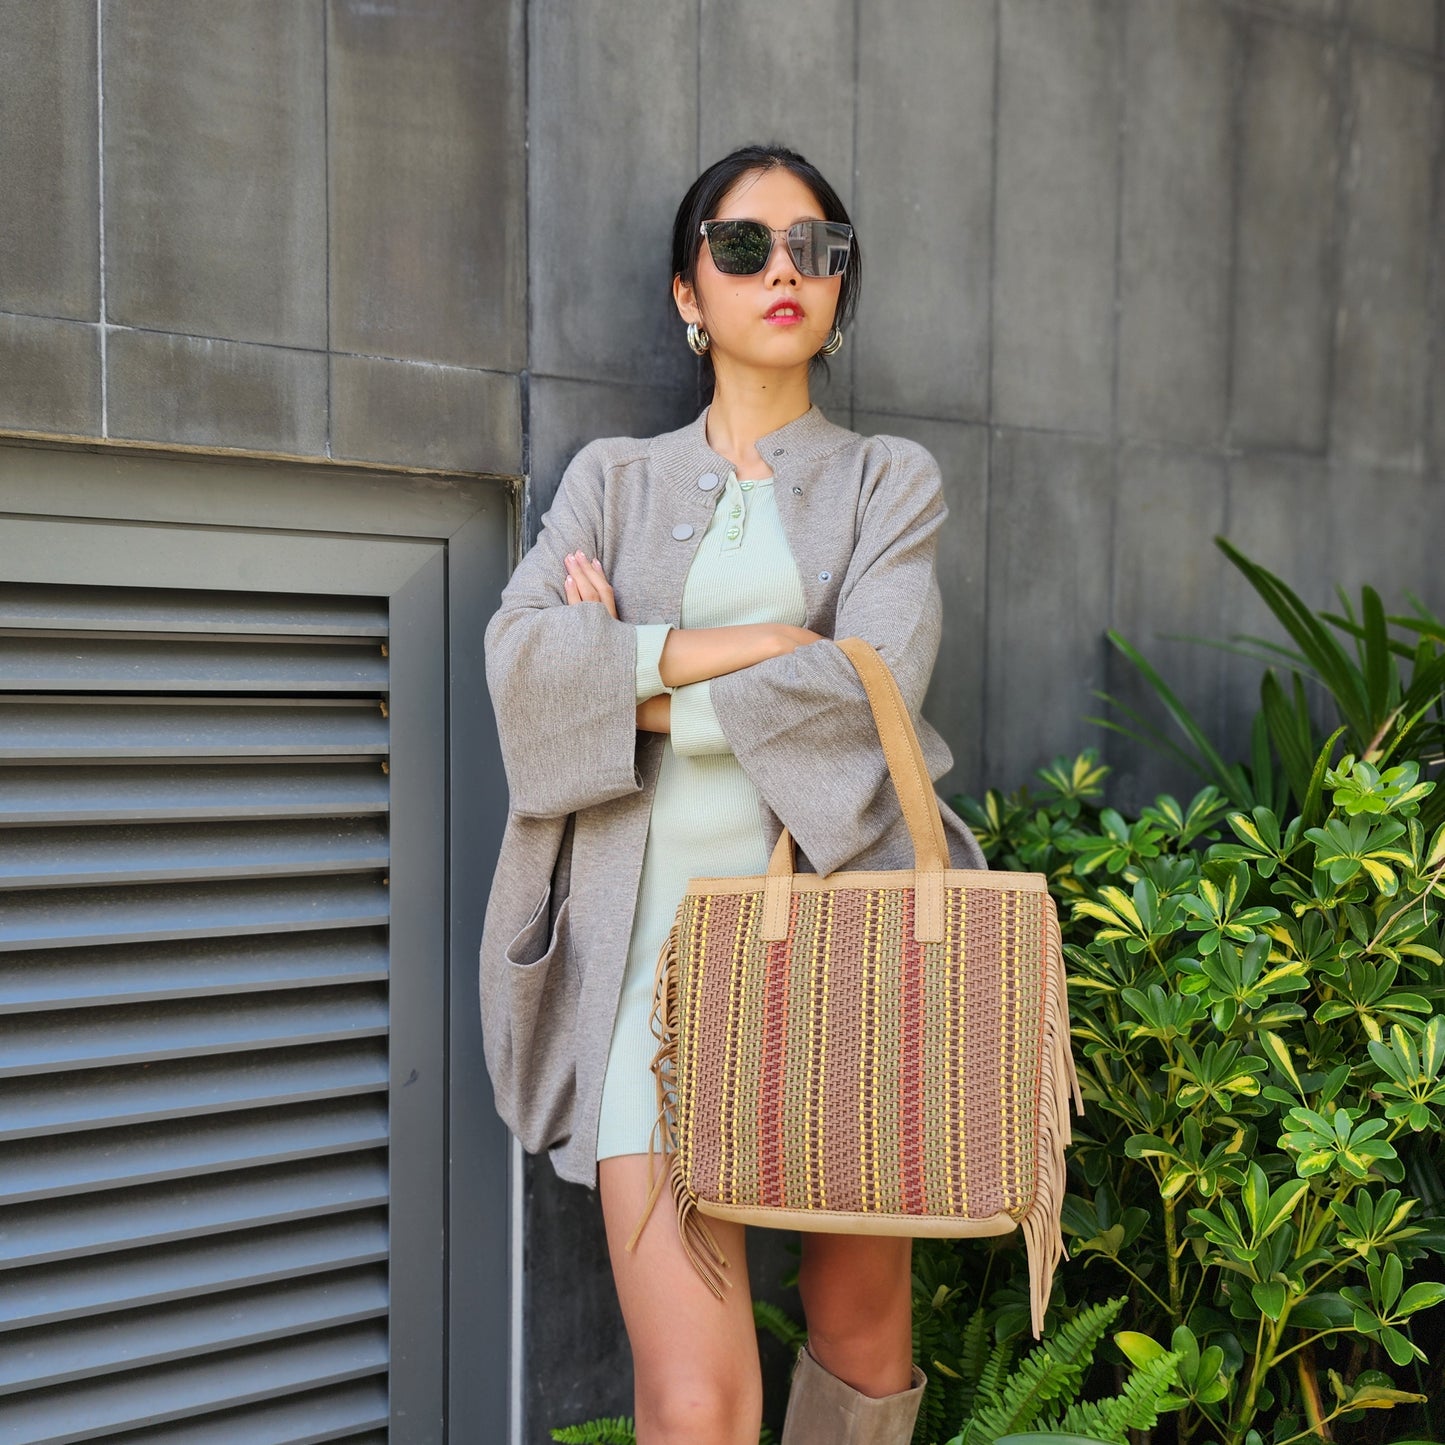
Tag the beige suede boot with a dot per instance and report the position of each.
(822, 1410)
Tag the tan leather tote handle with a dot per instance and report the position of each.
(909, 772)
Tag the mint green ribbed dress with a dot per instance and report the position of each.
(706, 815)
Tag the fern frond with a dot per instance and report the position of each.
(1086, 1418)
(971, 1359)
(778, 1323)
(1037, 1381)
(1074, 1341)
(933, 1411)
(1046, 1380)
(991, 1378)
(620, 1431)
(1136, 1407)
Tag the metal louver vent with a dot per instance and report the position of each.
(194, 1016)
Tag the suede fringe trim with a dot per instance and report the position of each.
(698, 1241)
(1043, 1236)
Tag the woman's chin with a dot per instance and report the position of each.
(786, 353)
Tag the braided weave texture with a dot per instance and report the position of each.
(851, 1070)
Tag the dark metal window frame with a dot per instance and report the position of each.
(431, 544)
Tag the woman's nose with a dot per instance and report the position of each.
(780, 263)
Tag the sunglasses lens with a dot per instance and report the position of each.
(742, 248)
(820, 248)
(739, 248)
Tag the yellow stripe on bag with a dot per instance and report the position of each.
(694, 1006)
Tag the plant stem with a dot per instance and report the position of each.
(1198, 1290)
(1251, 1392)
(1310, 1339)
(1309, 1389)
(1163, 1303)
(1171, 1255)
(1409, 903)
(1302, 1434)
(987, 1270)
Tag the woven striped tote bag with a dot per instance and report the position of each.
(877, 1052)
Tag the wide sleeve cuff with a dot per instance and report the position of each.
(694, 725)
(650, 637)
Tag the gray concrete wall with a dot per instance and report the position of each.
(1138, 271)
(293, 229)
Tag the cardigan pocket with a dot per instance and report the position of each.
(540, 986)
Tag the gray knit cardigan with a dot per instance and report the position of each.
(861, 516)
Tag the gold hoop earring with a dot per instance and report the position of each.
(834, 342)
(697, 338)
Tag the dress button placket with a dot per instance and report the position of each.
(737, 512)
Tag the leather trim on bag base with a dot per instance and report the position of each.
(840, 1221)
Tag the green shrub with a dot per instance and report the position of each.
(1260, 1028)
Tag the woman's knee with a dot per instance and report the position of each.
(694, 1356)
(851, 1285)
(688, 1406)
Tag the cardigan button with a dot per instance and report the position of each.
(824, 576)
(707, 481)
(682, 531)
(797, 491)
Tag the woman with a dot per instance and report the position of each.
(667, 697)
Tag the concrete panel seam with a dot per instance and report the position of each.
(1121, 112)
(993, 218)
(1121, 121)
(306, 350)
(1434, 429)
(1342, 77)
(326, 207)
(852, 360)
(1231, 281)
(100, 208)
(529, 310)
(628, 386)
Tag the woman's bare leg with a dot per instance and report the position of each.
(858, 1299)
(694, 1357)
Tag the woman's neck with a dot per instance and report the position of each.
(742, 411)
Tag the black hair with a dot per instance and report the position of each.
(705, 195)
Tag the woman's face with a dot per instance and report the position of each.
(778, 318)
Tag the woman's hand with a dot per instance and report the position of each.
(654, 715)
(689, 654)
(586, 582)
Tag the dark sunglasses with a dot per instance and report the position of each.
(742, 248)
